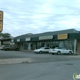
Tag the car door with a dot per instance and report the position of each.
(46, 49)
(65, 50)
(11, 47)
(61, 50)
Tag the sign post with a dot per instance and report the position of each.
(1, 21)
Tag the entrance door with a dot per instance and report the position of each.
(61, 44)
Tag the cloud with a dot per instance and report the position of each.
(37, 16)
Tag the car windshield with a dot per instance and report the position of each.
(59, 48)
(42, 47)
(6, 46)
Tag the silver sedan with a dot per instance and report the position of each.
(58, 50)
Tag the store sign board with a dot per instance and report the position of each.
(1, 21)
(1, 26)
(6, 42)
(1, 15)
(46, 37)
(18, 40)
(12, 40)
(27, 39)
(63, 36)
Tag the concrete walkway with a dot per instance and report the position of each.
(37, 60)
(15, 60)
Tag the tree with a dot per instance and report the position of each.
(5, 35)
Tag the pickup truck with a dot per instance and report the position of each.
(10, 47)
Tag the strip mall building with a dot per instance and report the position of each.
(69, 39)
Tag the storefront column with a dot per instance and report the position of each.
(29, 46)
(0, 42)
(45, 45)
(22, 47)
(75, 43)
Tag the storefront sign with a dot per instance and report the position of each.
(12, 40)
(1, 21)
(1, 15)
(45, 37)
(62, 36)
(27, 39)
(1, 25)
(6, 42)
(18, 40)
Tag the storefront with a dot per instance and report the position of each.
(67, 39)
(5, 41)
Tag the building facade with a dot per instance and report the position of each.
(68, 39)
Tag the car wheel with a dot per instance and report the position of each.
(58, 52)
(40, 52)
(36, 52)
(52, 53)
(70, 52)
(17, 49)
(7, 49)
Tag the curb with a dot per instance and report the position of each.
(27, 50)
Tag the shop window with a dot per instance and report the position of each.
(69, 44)
(25, 46)
(61, 44)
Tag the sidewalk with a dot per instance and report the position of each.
(27, 50)
(15, 60)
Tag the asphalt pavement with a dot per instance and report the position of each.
(63, 70)
(21, 65)
(15, 57)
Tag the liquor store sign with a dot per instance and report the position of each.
(63, 36)
(1, 21)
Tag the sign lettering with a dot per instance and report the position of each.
(1, 20)
(62, 36)
(45, 37)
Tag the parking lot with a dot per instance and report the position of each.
(42, 66)
(44, 57)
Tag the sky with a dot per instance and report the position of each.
(38, 16)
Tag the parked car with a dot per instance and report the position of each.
(59, 50)
(42, 50)
(10, 47)
(1, 47)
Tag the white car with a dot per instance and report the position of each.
(58, 50)
(42, 50)
(1, 47)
